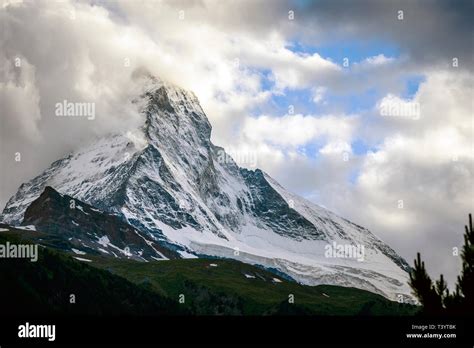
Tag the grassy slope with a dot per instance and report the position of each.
(250, 295)
(208, 290)
(44, 288)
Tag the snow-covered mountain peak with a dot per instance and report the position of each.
(165, 104)
(173, 185)
(173, 112)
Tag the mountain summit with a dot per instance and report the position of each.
(177, 189)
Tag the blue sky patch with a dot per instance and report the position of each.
(412, 84)
(355, 50)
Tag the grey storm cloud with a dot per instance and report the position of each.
(431, 32)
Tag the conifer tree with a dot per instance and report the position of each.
(436, 298)
(423, 287)
(442, 290)
(466, 279)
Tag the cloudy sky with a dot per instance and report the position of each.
(364, 107)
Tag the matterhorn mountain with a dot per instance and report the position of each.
(164, 191)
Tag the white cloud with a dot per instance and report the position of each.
(318, 94)
(394, 106)
(337, 147)
(19, 97)
(378, 60)
(296, 130)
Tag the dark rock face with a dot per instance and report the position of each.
(274, 211)
(89, 229)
